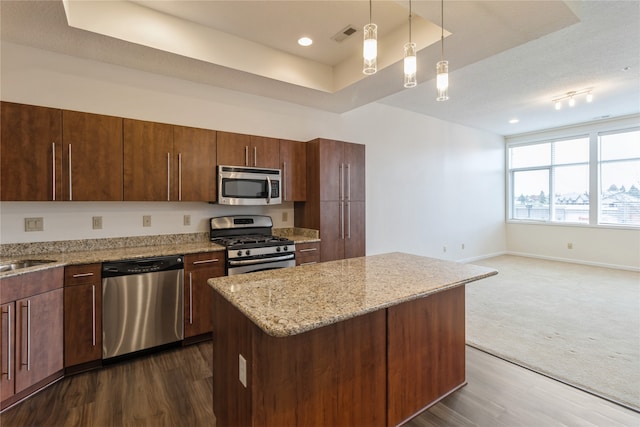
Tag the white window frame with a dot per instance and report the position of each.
(593, 130)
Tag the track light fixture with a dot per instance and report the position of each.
(571, 97)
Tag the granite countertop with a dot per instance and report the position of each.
(290, 301)
(97, 256)
(103, 250)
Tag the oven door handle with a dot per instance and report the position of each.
(253, 261)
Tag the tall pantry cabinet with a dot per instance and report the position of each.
(335, 198)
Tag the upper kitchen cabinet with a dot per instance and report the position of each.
(246, 150)
(92, 157)
(293, 163)
(148, 150)
(30, 153)
(335, 203)
(194, 152)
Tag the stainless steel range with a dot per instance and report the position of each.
(250, 244)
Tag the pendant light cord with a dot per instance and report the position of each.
(442, 29)
(410, 15)
(369, 11)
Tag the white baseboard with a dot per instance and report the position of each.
(573, 261)
(481, 257)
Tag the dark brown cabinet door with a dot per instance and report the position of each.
(30, 153)
(92, 157)
(197, 293)
(355, 230)
(83, 314)
(148, 149)
(39, 338)
(332, 172)
(331, 231)
(233, 149)
(293, 164)
(354, 163)
(7, 350)
(194, 153)
(307, 253)
(265, 152)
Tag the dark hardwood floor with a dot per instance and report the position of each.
(173, 388)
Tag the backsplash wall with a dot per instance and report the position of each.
(74, 220)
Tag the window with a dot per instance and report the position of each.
(553, 181)
(619, 168)
(550, 181)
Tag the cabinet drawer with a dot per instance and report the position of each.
(81, 274)
(208, 260)
(307, 253)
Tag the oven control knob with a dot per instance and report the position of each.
(286, 248)
(247, 252)
(278, 249)
(239, 253)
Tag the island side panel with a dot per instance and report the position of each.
(425, 353)
(231, 336)
(332, 376)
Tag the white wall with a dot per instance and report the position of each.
(430, 183)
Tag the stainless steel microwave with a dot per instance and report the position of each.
(239, 185)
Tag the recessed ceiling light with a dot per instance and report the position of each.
(305, 41)
(514, 121)
(626, 68)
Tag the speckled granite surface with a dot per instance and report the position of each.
(299, 235)
(70, 252)
(290, 301)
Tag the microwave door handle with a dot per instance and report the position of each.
(268, 190)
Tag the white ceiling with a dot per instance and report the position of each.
(508, 59)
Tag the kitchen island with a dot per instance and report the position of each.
(364, 341)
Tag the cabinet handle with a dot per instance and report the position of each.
(28, 364)
(255, 156)
(190, 298)
(168, 177)
(70, 176)
(348, 219)
(93, 306)
(284, 180)
(308, 250)
(340, 183)
(308, 263)
(348, 181)
(180, 176)
(342, 220)
(53, 156)
(246, 155)
(8, 335)
(206, 261)
(75, 276)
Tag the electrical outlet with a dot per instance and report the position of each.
(242, 370)
(285, 216)
(186, 220)
(444, 249)
(569, 245)
(146, 221)
(97, 222)
(34, 224)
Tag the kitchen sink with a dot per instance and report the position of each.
(17, 265)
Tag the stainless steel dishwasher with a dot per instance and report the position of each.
(142, 304)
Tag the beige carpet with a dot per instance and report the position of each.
(579, 324)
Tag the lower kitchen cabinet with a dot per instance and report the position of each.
(82, 317)
(307, 253)
(32, 333)
(198, 268)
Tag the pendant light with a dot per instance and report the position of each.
(370, 48)
(410, 62)
(442, 67)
